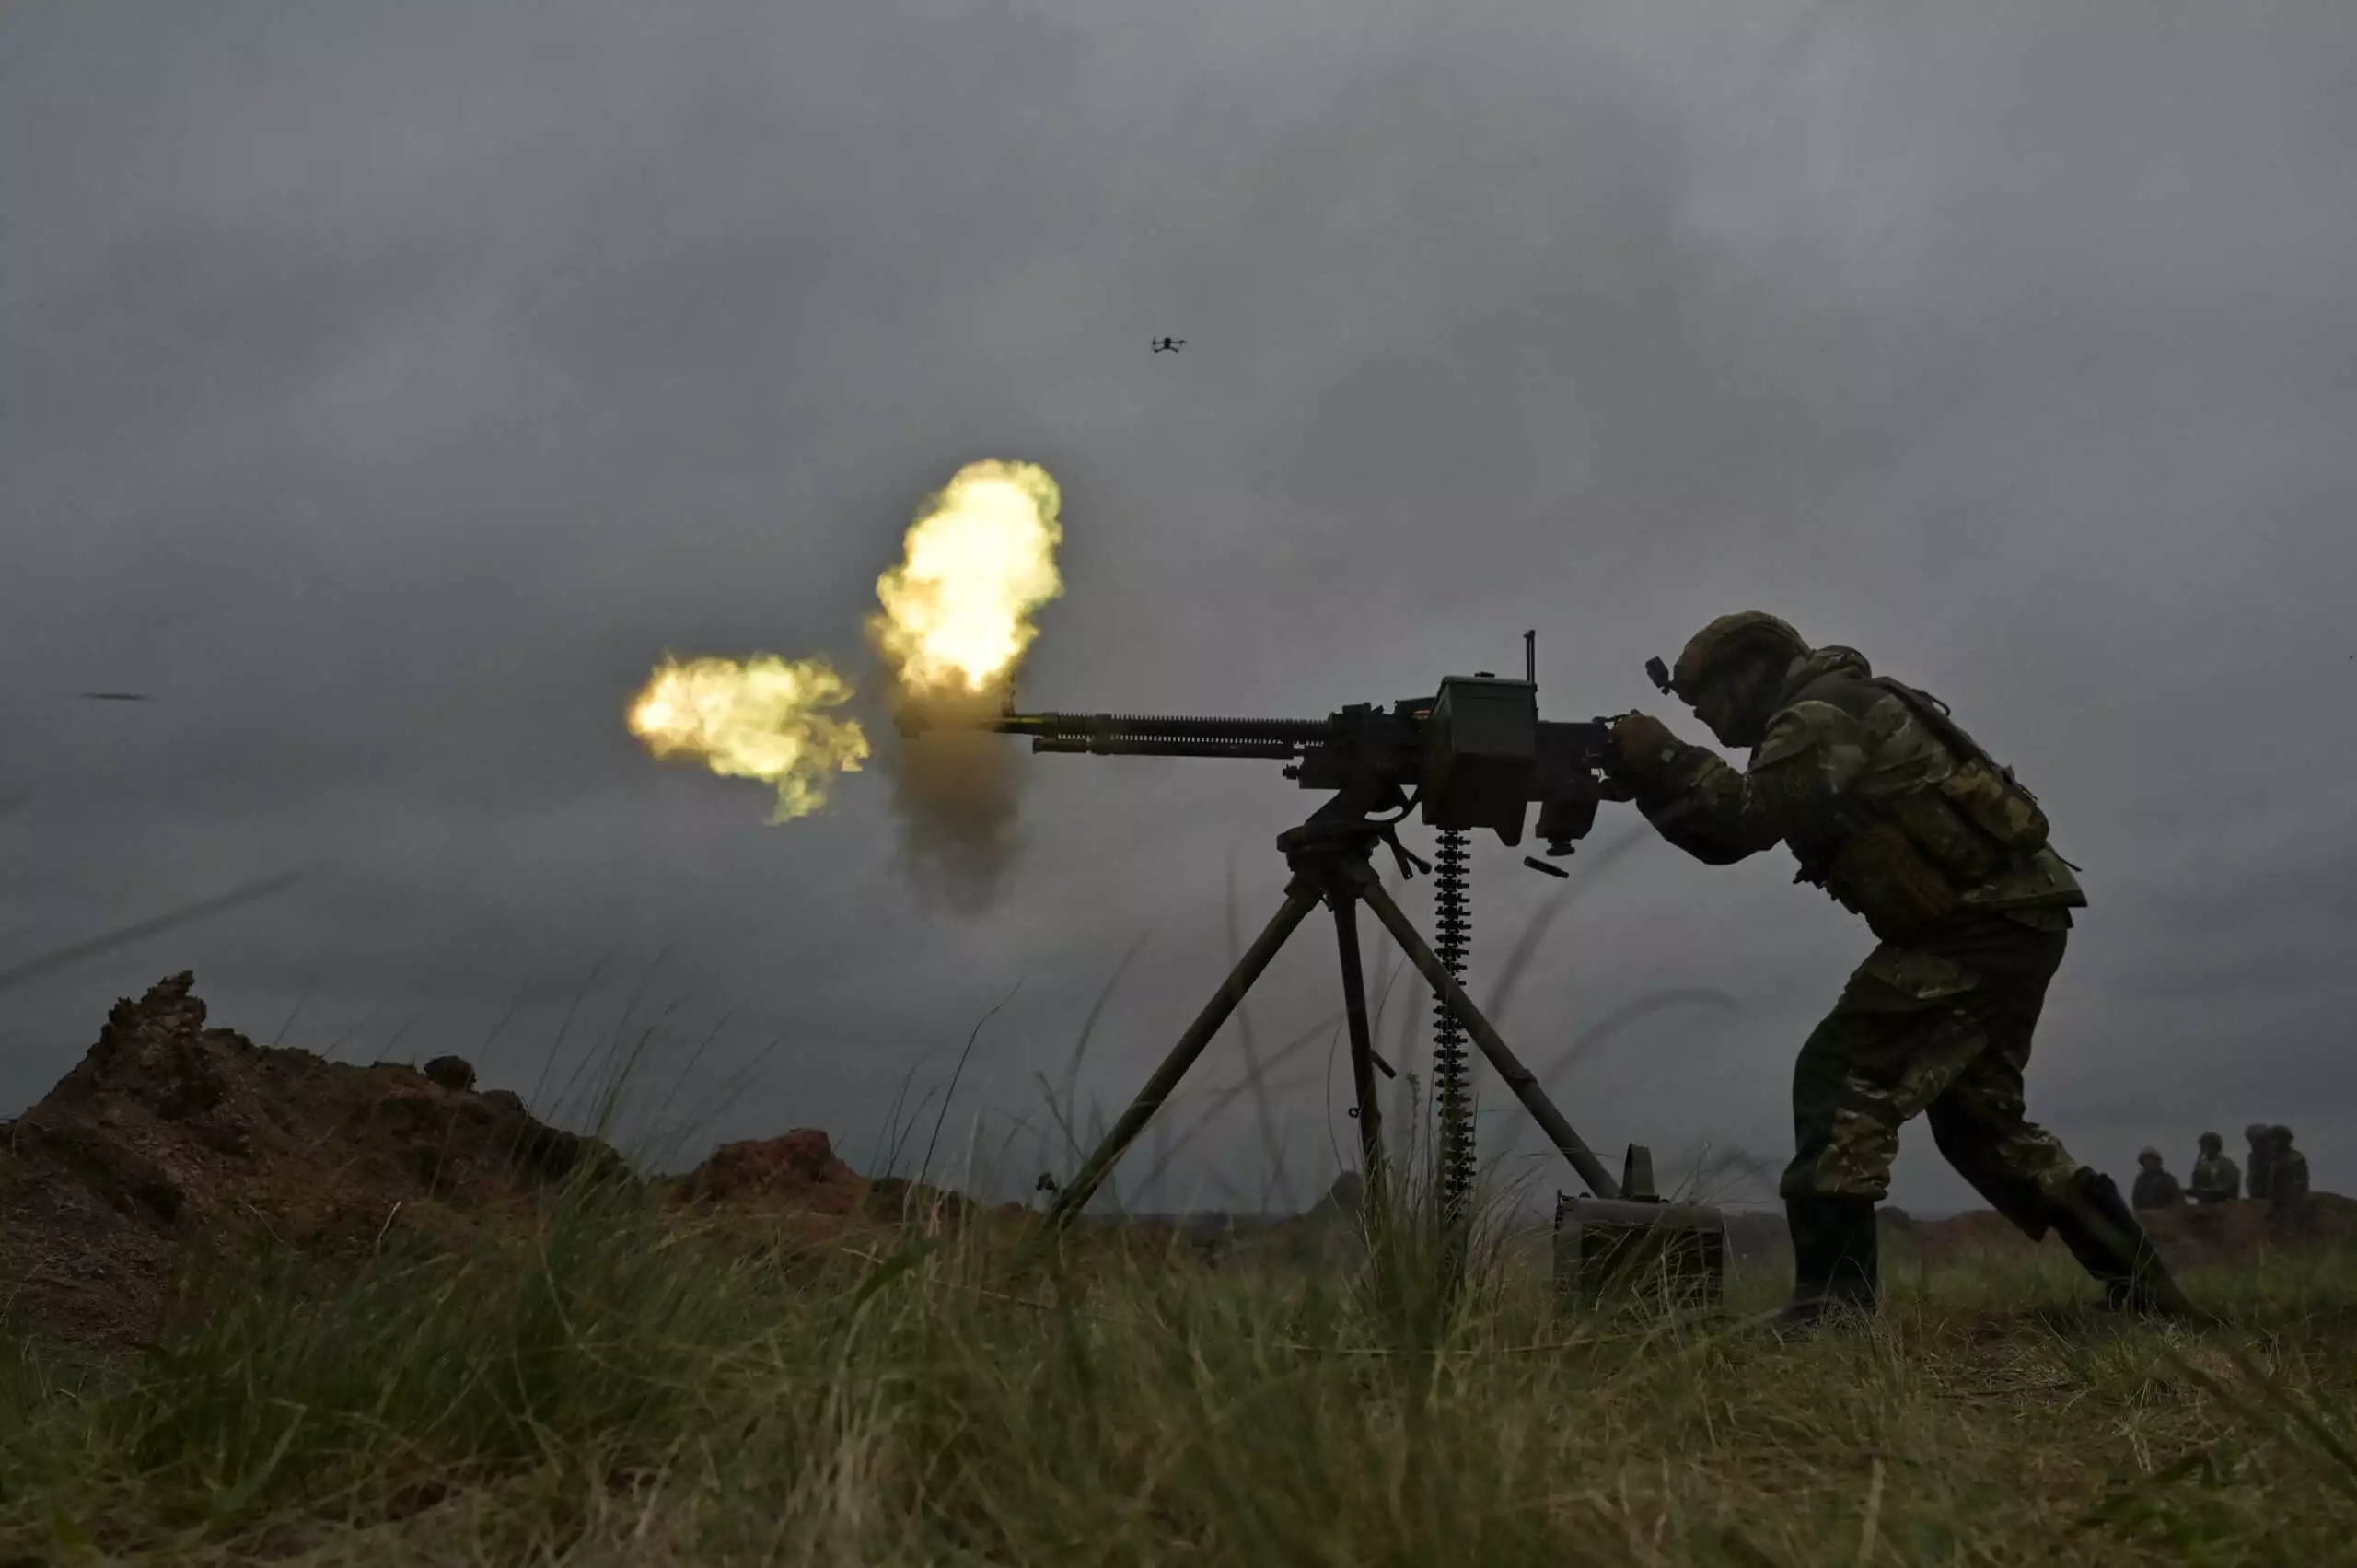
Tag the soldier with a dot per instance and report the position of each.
(2287, 1169)
(1901, 818)
(2261, 1159)
(2155, 1187)
(2215, 1179)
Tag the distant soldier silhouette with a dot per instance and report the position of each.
(2215, 1179)
(2155, 1187)
(2261, 1160)
(2287, 1169)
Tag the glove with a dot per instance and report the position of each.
(1641, 743)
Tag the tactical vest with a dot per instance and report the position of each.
(1906, 859)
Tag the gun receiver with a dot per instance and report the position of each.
(1474, 755)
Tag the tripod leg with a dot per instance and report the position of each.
(1346, 939)
(1519, 1077)
(1299, 900)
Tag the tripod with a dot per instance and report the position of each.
(1330, 857)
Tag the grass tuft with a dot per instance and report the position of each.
(619, 1382)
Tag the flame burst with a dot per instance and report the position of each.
(955, 624)
(763, 718)
(956, 615)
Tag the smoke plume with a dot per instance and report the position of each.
(951, 634)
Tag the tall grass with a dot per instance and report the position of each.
(619, 1382)
(616, 1381)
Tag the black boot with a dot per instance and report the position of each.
(1836, 1261)
(2103, 1234)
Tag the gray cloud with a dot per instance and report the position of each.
(388, 399)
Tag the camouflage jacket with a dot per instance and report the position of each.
(2156, 1189)
(2262, 1167)
(2288, 1181)
(2215, 1179)
(1847, 762)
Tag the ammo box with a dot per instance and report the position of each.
(1637, 1248)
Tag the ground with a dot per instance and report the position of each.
(776, 1361)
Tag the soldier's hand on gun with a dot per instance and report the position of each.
(1641, 743)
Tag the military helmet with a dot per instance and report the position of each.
(1728, 637)
(2211, 1141)
(2148, 1156)
(2280, 1132)
(2256, 1132)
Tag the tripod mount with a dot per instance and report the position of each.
(1331, 858)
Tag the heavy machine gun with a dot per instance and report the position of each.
(1473, 756)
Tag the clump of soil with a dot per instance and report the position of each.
(168, 1131)
(799, 1168)
(167, 1128)
(797, 1178)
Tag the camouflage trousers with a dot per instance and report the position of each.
(1942, 1028)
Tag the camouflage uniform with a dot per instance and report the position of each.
(2287, 1169)
(1866, 782)
(2155, 1187)
(2262, 1160)
(2215, 1179)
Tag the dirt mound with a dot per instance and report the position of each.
(797, 1178)
(166, 1126)
(799, 1168)
(168, 1129)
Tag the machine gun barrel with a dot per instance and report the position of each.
(1164, 735)
(1124, 746)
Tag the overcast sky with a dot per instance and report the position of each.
(387, 389)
